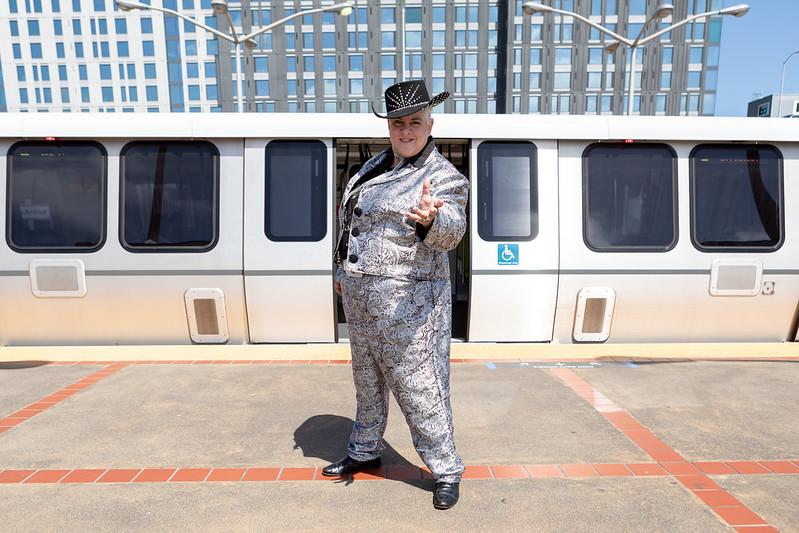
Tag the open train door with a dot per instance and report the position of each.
(288, 240)
(514, 235)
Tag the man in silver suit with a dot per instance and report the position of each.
(399, 216)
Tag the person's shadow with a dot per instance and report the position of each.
(325, 437)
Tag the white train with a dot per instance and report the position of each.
(173, 229)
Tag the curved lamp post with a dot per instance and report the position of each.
(662, 11)
(782, 82)
(220, 8)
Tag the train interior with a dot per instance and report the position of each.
(351, 154)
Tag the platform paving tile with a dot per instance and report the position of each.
(774, 497)
(595, 505)
(22, 384)
(710, 411)
(152, 416)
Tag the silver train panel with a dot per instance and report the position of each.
(507, 302)
(668, 296)
(289, 285)
(135, 310)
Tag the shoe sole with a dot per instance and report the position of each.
(443, 507)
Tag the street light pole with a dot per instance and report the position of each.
(782, 82)
(221, 7)
(662, 11)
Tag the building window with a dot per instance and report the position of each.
(170, 196)
(56, 196)
(629, 193)
(665, 80)
(356, 87)
(736, 197)
(413, 15)
(694, 79)
(296, 194)
(508, 191)
(696, 55)
(562, 81)
(356, 63)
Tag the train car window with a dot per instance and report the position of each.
(169, 196)
(296, 192)
(629, 197)
(508, 191)
(56, 196)
(736, 198)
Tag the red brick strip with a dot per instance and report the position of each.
(26, 413)
(693, 476)
(704, 487)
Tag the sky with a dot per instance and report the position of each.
(753, 48)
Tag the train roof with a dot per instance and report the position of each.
(359, 125)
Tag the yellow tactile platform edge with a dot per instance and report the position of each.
(490, 351)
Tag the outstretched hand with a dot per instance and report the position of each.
(428, 207)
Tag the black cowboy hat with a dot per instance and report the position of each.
(408, 97)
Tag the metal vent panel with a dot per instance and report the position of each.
(58, 278)
(593, 315)
(205, 312)
(736, 277)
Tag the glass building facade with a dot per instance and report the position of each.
(87, 55)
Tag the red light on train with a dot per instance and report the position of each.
(49, 138)
(629, 141)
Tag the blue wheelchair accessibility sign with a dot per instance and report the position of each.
(507, 254)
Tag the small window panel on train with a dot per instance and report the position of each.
(296, 193)
(56, 196)
(736, 198)
(170, 196)
(629, 197)
(508, 191)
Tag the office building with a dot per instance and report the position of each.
(774, 105)
(87, 55)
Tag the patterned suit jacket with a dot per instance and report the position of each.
(385, 243)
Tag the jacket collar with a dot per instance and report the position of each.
(384, 161)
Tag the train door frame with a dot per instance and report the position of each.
(369, 147)
(514, 300)
(288, 284)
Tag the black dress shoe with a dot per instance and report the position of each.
(349, 465)
(445, 495)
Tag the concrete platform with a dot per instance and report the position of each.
(23, 384)
(295, 416)
(239, 445)
(551, 505)
(775, 498)
(711, 411)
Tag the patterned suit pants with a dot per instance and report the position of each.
(400, 338)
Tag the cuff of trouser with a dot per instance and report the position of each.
(452, 478)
